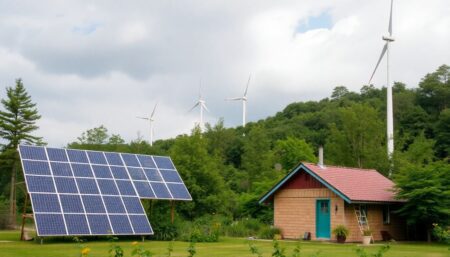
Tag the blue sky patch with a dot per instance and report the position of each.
(86, 29)
(321, 21)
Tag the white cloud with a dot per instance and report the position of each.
(87, 64)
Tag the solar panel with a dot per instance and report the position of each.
(77, 192)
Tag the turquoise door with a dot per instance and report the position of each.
(323, 219)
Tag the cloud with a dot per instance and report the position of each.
(87, 64)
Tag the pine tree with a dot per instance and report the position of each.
(17, 121)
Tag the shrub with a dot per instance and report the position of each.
(269, 232)
(244, 228)
(341, 230)
(367, 232)
(204, 229)
(165, 231)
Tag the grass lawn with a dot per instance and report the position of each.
(232, 247)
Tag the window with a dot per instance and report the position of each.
(324, 207)
(386, 215)
(363, 209)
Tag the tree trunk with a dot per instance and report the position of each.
(12, 198)
(429, 235)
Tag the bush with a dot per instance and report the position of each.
(204, 229)
(244, 228)
(4, 213)
(341, 230)
(165, 231)
(269, 232)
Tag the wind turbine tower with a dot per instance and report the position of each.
(150, 120)
(202, 104)
(244, 102)
(390, 115)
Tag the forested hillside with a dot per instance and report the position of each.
(228, 169)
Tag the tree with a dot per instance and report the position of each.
(434, 91)
(17, 122)
(339, 92)
(95, 136)
(257, 158)
(426, 190)
(442, 132)
(358, 138)
(291, 151)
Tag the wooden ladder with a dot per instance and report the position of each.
(363, 222)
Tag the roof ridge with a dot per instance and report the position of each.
(335, 166)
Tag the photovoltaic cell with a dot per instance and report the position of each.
(136, 173)
(50, 224)
(160, 190)
(144, 189)
(120, 224)
(119, 172)
(146, 161)
(61, 169)
(32, 152)
(45, 202)
(114, 204)
(99, 224)
(71, 203)
(77, 156)
(93, 204)
(152, 174)
(101, 171)
(66, 185)
(114, 159)
(107, 187)
(77, 224)
(97, 157)
(140, 224)
(87, 186)
(130, 160)
(171, 176)
(125, 187)
(82, 170)
(40, 184)
(77, 192)
(133, 205)
(57, 155)
(163, 162)
(36, 167)
(179, 191)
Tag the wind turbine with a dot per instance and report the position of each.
(390, 116)
(150, 120)
(202, 104)
(244, 102)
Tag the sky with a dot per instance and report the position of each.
(92, 63)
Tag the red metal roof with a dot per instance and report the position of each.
(359, 185)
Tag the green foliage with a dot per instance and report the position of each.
(427, 191)
(442, 131)
(434, 91)
(442, 234)
(269, 232)
(367, 232)
(169, 249)
(191, 249)
(357, 140)
(341, 230)
(254, 249)
(278, 251)
(115, 250)
(95, 136)
(139, 251)
(289, 152)
(244, 228)
(297, 250)
(380, 253)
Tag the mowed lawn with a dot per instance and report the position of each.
(11, 247)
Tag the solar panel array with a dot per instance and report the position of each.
(78, 192)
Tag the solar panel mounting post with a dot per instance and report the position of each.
(24, 216)
(172, 211)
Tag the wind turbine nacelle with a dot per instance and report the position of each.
(388, 38)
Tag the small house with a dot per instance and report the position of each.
(314, 199)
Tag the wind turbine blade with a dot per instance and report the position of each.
(379, 60)
(234, 99)
(248, 83)
(390, 19)
(153, 112)
(200, 90)
(204, 106)
(193, 107)
(144, 118)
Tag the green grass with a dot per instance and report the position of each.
(231, 247)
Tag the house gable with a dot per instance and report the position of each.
(302, 180)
